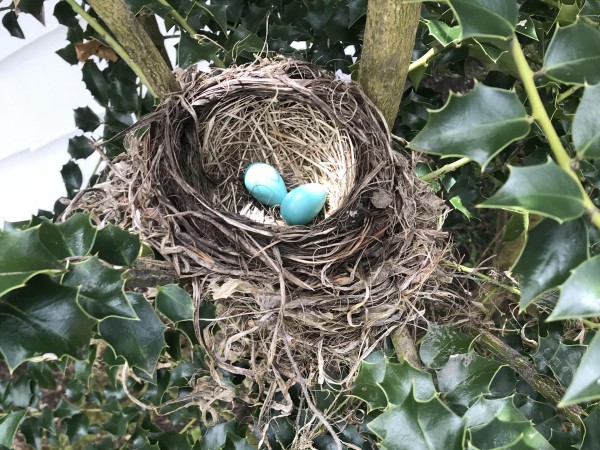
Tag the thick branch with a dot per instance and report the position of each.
(386, 54)
(139, 48)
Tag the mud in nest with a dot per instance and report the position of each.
(294, 303)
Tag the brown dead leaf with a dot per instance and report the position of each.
(381, 199)
(91, 48)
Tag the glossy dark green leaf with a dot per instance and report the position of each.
(218, 13)
(526, 27)
(73, 237)
(243, 40)
(69, 54)
(497, 423)
(591, 441)
(486, 18)
(43, 317)
(585, 386)
(9, 424)
(442, 32)
(10, 22)
(116, 121)
(467, 376)
(419, 424)
(573, 55)
(381, 383)
(117, 246)
(72, 177)
(560, 358)
(123, 95)
(356, 9)
(65, 14)
(591, 10)
(174, 441)
(543, 189)
(234, 442)
(586, 124)
(22, 256)
(80, 147)
(33, 7)
(215, 437)
(175, 303)
(86, 119)
(101, 292)
(580, 294)
(441, 342)
(190, 51)
(141, 341)
(551, 252)
(477, 125)
(95, 82)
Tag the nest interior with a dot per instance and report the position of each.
(293, 302)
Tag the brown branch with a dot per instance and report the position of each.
(141, 51)
(386, 54)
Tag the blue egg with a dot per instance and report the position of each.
(264, 183)
(303, 204)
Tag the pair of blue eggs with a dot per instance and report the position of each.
(298, 207)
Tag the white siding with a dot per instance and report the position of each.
(38, 92)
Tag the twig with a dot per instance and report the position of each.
(445, 169)
(538, 112)
(481, 276)
(300, 379)
(423, 60)
(546, 386)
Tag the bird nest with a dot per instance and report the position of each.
(293, 303)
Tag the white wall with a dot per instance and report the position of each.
(38, 92)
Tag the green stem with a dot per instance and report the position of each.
(178, 18)
(423, 60)
(113, 43)
(567, 93)
(539, 114)
(482, 276)
(445, 169)
(590, 324)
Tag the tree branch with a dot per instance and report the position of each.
(140, 52)
(386, 54)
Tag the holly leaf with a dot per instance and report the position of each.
(73, 237)
(561, 359)
(585, 386)
(190, 51)
(486, 18)
(141, 341)
(86, 119)
(476, 125)
(101, 292)
(95, 82)
(117, 246)
(591, 441)
(419, 424)
(72, 177)
(551, 252)
(440, 343)
(544, 189)
(591, 9)
(9, 424)
(42, 318)
(526, 27)
(175, 303)
(10, 22)
(586, 124)
(580, 294)
(495, 423)
(80, 147)
(442, 32)
(218, 13)
(23, 256)
(573, 55)
(381, 383)
(467, 376)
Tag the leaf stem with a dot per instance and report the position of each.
(445, 169)
(482, 276)
(178, 18)
(423, 60)
(567, 93)
(538, 112)
(112, 42)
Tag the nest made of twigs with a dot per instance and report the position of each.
(293, 302)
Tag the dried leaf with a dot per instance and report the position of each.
(230, 286)
(91, 48)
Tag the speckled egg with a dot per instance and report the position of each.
(302, 204)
